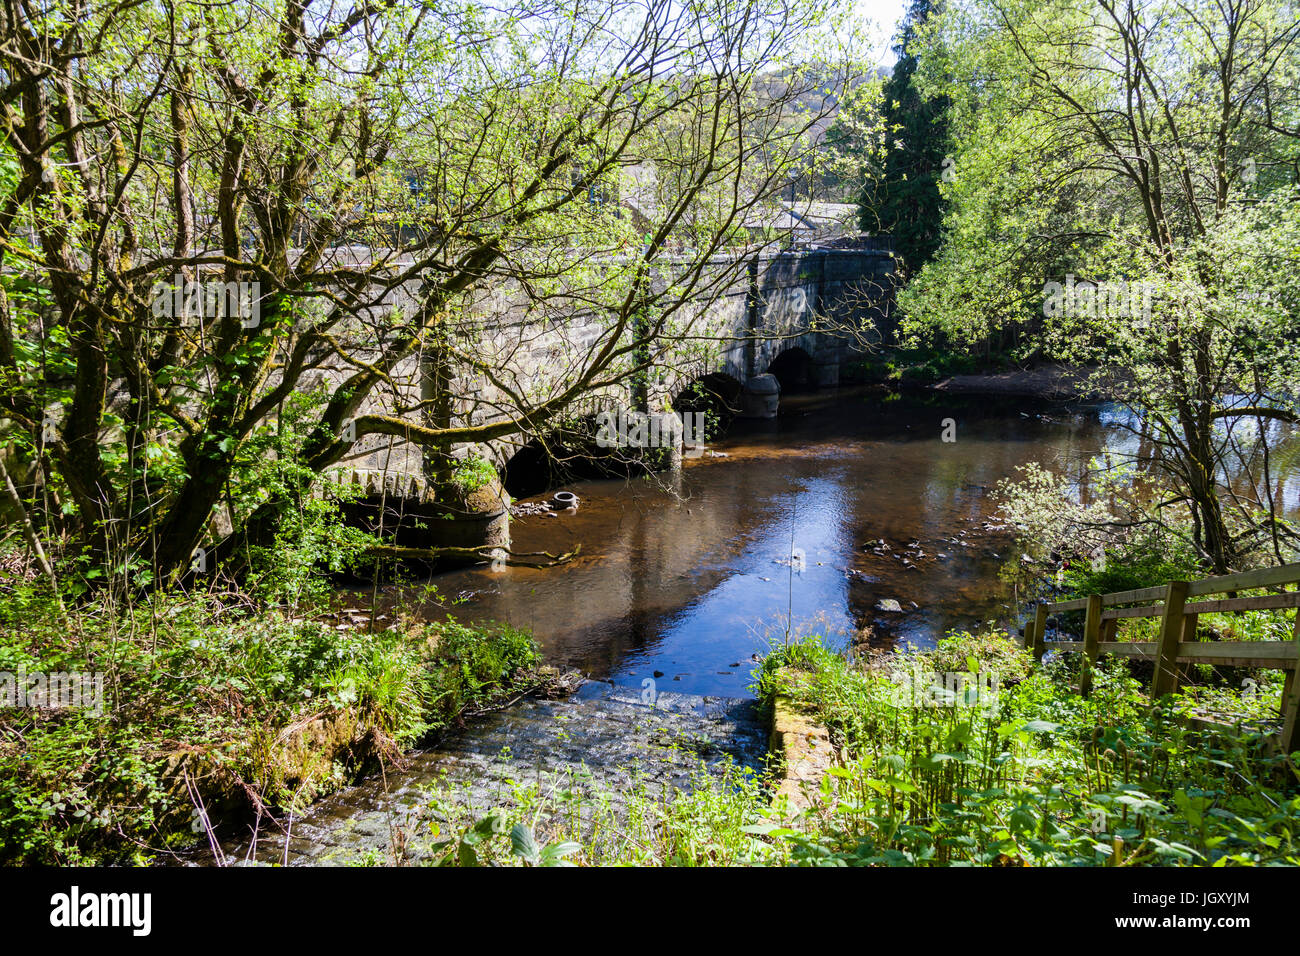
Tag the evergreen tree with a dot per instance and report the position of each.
(904, 201)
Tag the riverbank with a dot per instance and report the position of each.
(282, 713)
(1008, 768)
(207, 712)
(1050, 382)
(963, 374)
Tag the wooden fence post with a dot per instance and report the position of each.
(1091, 639)
(1291, 702)
(1040, 632)
(1165, 680)
(1190, 622)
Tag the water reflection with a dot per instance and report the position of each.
(684, 590)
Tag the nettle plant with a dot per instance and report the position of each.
(1047, 777)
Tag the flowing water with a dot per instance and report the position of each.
(599, 741)
(684, 586)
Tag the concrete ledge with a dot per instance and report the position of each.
(805, 749)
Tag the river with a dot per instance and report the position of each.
(683, 586)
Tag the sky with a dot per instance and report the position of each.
(884, 15)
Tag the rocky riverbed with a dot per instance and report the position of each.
(601, 740)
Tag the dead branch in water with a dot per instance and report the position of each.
(483, 552)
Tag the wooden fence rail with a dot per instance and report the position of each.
(1177, 642)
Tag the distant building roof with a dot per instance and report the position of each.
(778, 218)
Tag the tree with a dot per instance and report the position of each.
(1127, 192)
(349, 187)
(904, 199)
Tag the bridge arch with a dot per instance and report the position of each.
(529, 471)
(716, 395)
(793, 369)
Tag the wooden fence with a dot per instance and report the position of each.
(1177, 643)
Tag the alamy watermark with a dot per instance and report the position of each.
(624, 429)
(1080, 299)
(60, 690)
(133, 911)
(921, 687)
(193, 302)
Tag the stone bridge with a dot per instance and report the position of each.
(780, 321)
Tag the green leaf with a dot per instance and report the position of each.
(523, 844)
(554, 854)
(1040, 727)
